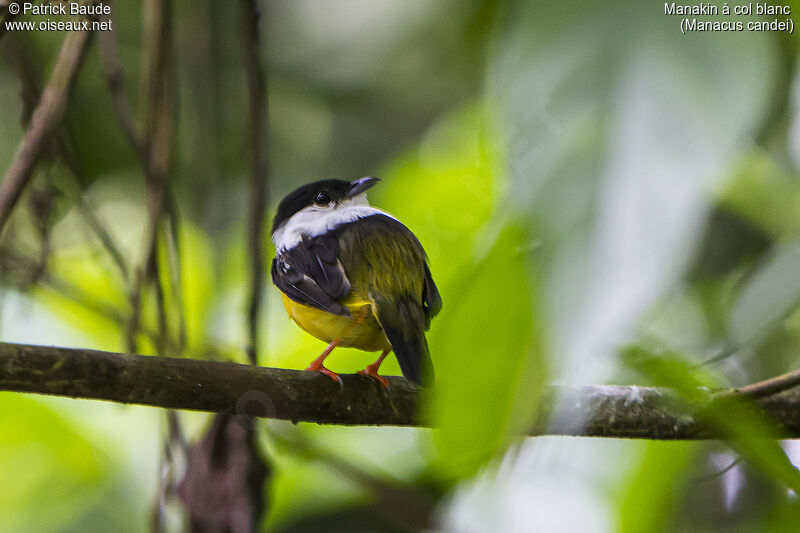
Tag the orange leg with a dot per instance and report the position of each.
(317, 366)
(372, 370)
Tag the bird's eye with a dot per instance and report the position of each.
(322, 199)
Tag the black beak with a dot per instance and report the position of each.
(360, 185)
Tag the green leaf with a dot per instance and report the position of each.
(488, 359)
(618, 128)
(445, 191)
(769, 295)
(745, 428)
(765, 192)
(646, 504)
(49, 474)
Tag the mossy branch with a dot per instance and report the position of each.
(299, 396)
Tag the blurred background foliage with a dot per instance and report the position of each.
(582, 176)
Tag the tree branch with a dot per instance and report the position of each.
(768, 387)
(30, 95)
(45, 119)
(259, 178)
(157, 137)
(594, 411)
(112, 69)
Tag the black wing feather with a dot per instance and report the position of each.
(431, 298)
(311, 274)
(402, 320)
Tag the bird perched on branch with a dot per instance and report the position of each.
(352, 275)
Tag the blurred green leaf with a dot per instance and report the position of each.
(197, 286)
(766, 192)
(617, 128)
(783, 518)
(748, 432)
(446, 189)
(767, 296)
(302, 487)
(51, 477)
(672, 370)
(655, 488)
(84, 292)
(488, 358)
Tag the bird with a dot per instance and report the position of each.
(354, 276)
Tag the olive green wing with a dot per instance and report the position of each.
(387, 265)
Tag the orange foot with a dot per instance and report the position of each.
(317, 364)
(372, 372)
(318, 367)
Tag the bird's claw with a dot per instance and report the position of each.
(373, 373)
(330, 373)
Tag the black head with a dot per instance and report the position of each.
(320, 193)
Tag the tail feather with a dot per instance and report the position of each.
(403, 321)
(413, 355)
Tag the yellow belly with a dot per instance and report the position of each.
(360, 330)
